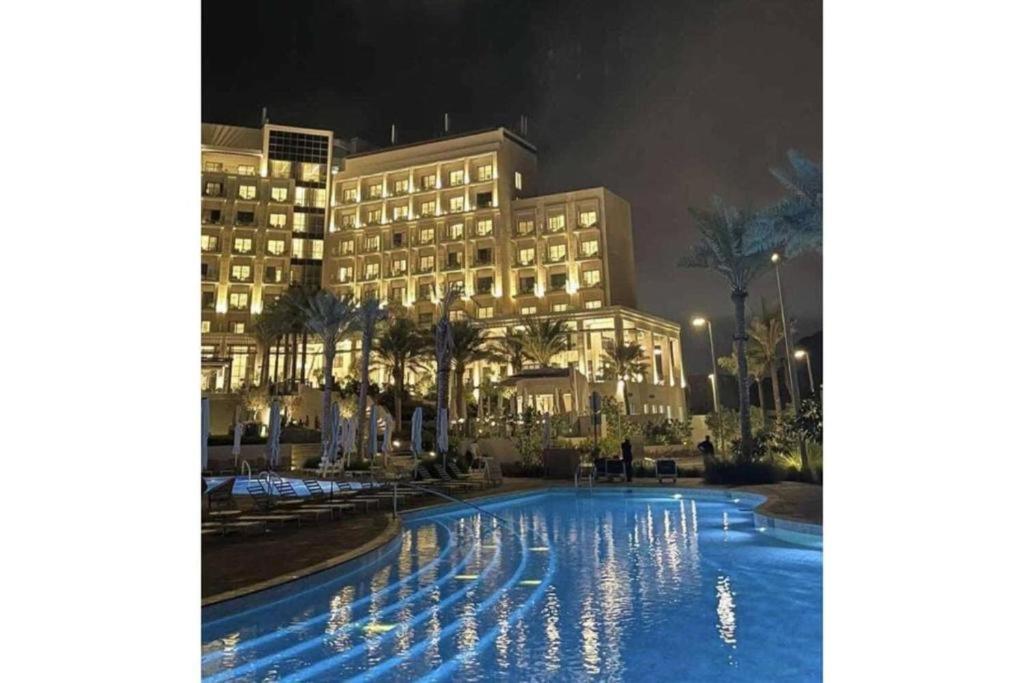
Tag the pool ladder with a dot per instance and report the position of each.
(584, 476)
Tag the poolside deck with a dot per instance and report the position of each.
(235, 563)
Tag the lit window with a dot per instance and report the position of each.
(556, 252)
(316, 198)
(371, 271)
(238, 301)
(243, 245)
(278, 220)
(350, 194)
(456, 177)
(345, 274)
(212, 190)
(273, 274)
(588, 218)
(592, 304)
(348, 247)
(317, 249)
(206, 326)
(213, 167)
(247, 170)
(484, 227)
(526, 256)
(398, 266)
(485, 172)
(401, 186)
(455, 204)
(400, 213)
(209, 242)
(458, 315)
(348, 220)
(376, 190)
(485, 312)
(311, 173)
(299, 221)
(519, 180)
(238, 328)
(528, 310)
(246, 191)
(428, 182)
(372, 243)
(588, 248)
(591, 278)
(524, 226)
(426, 235)
(455, 231)
(559, 308)
(279, 194)
(241, 273)
(556, 222)
(275, 247)
(280, 169)
(298, 247)
(373, 216)
(426, 263)
(428, 209)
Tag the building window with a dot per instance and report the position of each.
(526, 256)
(591, 278)
(212, 189)
(275, 247)
(484, 199)
(238, 328)
(588, 248)
(348, 247)
(426, 291)
(455, 259)
(397, 239)
(455, 204)
(273, 274)
(211, 216)
(241, 273)
(348, 220)
(528, 310)
(484, 285)
(209, 242)
(376, 190)
(425, 318)
(298, 245)
(428, 182)
(280, 169)
(400, 213)
(279, 194)
(372, 243)
(398, 267)
(397, 295)
(345, 274)
(485, 312)
(519, 180)
(588, 218)
(247, 192)
(559, 308)
(527, 284)
(206, 326)
(278, 220)
(427, 236)
(299, 222)
(311, 173)
(485, 172)
(458, 315)
(317, 249)
(428, 209)
(243, 245)
(213, 167)
(238, 301)
(455, 177)
(247, 170)
(456, 231)
(371, 271)
(484, 257)
(373, 216)
(524, 226)
(426, 263)
(556, 223)
(556, 253)
(402, 186)
(350, 194)
(592, 304)
(245, 217)
(484, 227)
(558, 280)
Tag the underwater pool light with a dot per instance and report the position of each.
(539, 549)
(378, 628)
(530, 582)
(677, 496)
(466, 577)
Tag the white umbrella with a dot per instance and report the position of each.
(236, 447)
(274, 435)
(371, 445)
(417, 434)
(204, 427)
(441, 437)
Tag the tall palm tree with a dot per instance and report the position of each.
(369, 313)
(799, 215)
(510, 349)
(725, 247)
(766, 335)
(443, 345)
(329, 317)
(544, 339)
(400, 346)
(469, 345)
(265, 330)
(624, 362)
(294, 300)
(279, 318)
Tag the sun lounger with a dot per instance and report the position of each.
(439, 472)
(222, 528)
(221, 494)
(600, 468)
(279, 519)
(458, 475)
(615, 469)
(665, 468)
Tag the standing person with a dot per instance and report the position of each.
(707, 450)
(627, 458)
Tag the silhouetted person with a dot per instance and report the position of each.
(627, 458)
(705, 447)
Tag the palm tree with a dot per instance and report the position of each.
(443, 345)
(329, 317)
(724, 247)
(278, 316)
(400, 346)
(624, 362)
(510, 349)
(368, 315)
(294, 301)
(765, 336)
(799, 215)
(265, 330)
(469, 345)
(544, 339)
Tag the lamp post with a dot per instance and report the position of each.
(800, 353)
(701, 322)
(777, 260)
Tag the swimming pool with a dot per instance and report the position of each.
(640, 585)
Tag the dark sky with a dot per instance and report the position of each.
(665, 102)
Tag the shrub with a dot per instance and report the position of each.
(312, 462)
(669, 432)
(731, 472)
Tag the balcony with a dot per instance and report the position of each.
(211, 276)
(479, 263)
(453, 266)
(555, 259)
(524, 263)
(241, 280)
(584, 226)
(584, 255)
(422, 270)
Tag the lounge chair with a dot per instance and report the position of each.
(221, 494)
(448, 481)
(615, 469)
(600, 468)
(665, 468)
(459, 475)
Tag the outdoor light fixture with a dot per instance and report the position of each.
(799, 354)
(699, 322)
(396, 443)
(776, 258)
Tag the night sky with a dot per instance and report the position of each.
(665, 102)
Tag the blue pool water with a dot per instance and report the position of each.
(609, 585)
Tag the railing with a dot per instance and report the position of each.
(501, 520)
(580, 475)
(247, 469)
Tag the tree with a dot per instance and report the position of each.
(443, 346)
(544, 339)
(625, 362)
(266, 331)
(469, 345)
(799, 215)
(400, 347)
(724, 246)
(510, 349)
(368, 315)
(766, 334)
(293, 309)
(329, 317)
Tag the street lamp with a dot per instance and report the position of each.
(701, 322)
(800, 353)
